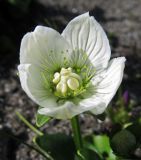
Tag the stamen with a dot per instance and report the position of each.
(67, 82)
(56, 78)
(73, 83)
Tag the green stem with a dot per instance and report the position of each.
(76, 133)
(29, 125)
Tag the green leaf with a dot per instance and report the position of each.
(101, 145)
(41, 119)
(87, 154)
(59, 146)
(123, 143)
(136, 130)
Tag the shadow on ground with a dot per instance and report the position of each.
(10, 143)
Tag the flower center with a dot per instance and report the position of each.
(67, 82)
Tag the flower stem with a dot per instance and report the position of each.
(76, 133)
(35, 130)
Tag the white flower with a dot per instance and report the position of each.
(70, 73)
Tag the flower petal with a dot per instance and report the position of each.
(108, 81)
(96, 103)
(23, 69)
(85, 33)
(70, 109)
(35, 86)
(43, 47)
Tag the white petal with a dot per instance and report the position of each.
(34, 85)
(86, 34)
(97, 104)
(69, 109)
(108, 81)
(43, 47)
(23, 75)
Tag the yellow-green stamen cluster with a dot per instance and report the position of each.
(66, 82)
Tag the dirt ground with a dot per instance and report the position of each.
(120, 18)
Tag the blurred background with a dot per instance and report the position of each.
(121, 19)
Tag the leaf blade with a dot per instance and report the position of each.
(41, 119)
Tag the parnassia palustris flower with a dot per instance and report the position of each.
(69, 73)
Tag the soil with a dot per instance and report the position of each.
(120, 19)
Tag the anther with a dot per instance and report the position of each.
(66, 81)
